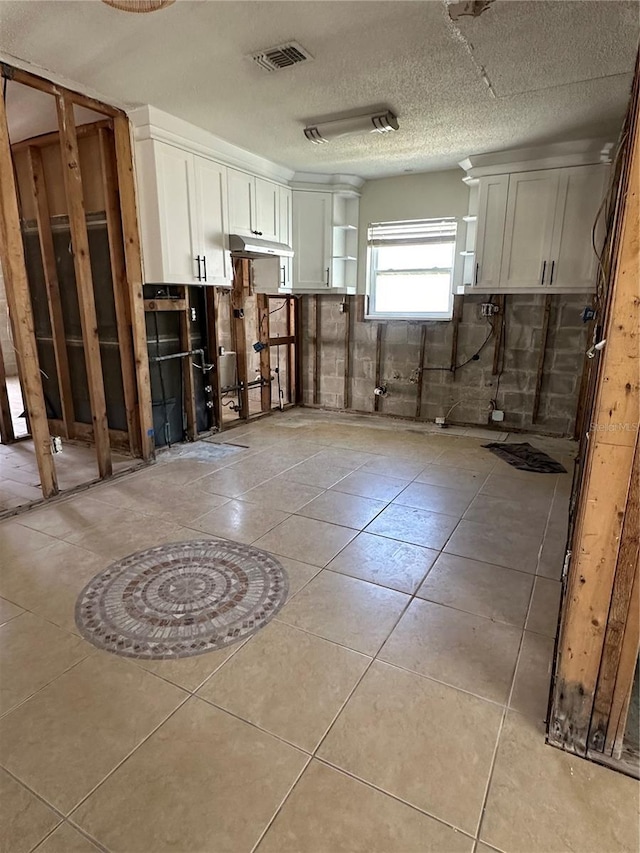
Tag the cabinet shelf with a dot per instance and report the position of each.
(345, 258)
(346, 227)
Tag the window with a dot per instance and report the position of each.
(410, 269)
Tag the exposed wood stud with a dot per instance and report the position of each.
(316, 351)
(623, 692)
(346, 394)
(298, 308)
(133, 264)
(211, 298)
(119, 282)
(48, 254)
(604, 489)
(499, 335)
(7, 435)
(291, 349)
(240, 276)
(265, 354)
(165, 305)
(379, 343)
(541, 357)
(19, 303)
(47, 139)
(420, 374)
(35, 82)
(189, 396)
(84, 282)
(458, 305)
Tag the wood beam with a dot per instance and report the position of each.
(211, 297)
(240, 273)
(7, 435)
(317, 360)
(189, 395)
(290, 348)
(499, 333)
(420, 384)
(119, 284)
(50, 270)
(346, 393)
(265, 354)
(377, 400)
(84, 282)
(46, 139)
(458, 305)
(546, 311)
(133, 265)
(165, 305)
(19, 303)
(299, 331)
(43, 85)
(605, 485)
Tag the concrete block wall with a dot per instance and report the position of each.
(464, 397)
(6, 342)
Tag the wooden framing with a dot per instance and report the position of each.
(586, 713)
(458, 305)
(19, 302)
(499, 335)
(546, 312)
(240, 276)
(211, 296)
(186, 345)
(346, 394)
(119, 282)
(316, 351)
(420, 383)
(47, 251)
(265, 354)
(84, 282)
(379, 343)
(298, 309)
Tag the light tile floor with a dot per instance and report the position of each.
(395, 705)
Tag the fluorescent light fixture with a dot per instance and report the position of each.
(354, 126)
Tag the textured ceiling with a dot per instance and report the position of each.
(524, 72)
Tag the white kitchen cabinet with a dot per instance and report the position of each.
(534, 230)
(312, 233)
(284, 232)
(325, 240)
(253, 206)
(182, 201)
(492, 211)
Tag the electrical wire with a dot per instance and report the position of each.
(474, 357)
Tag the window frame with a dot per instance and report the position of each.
(372, 269)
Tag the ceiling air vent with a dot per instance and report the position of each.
(282, 56)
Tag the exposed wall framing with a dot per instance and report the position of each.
(598, 643)
(112, 171)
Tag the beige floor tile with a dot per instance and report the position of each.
(315, 473)
(539, 488)
(49, 582)
(416, 526)
(66, 738)
(552, 555)
(471, 458)
(510, 548)
(285, 495)
(460, 479)
(65, 519)
(461, 649)
(33, 653)
(391, 466)
(182, 472)
(287, 682)
(132, 532)
(544, 799)
(299, 573)
(404, 734)
(533, 677)
(342, 458)
(17, 540)
(345, 610)
(240, 521)
(493, 591)
(231, 482)
(181, 504)
(8, 610)
(339, 508)
(505, 514)
(387, 562)
(25, 819)
(66, 839)
(434, 498)
(369, 485)
(227, 778)
(545, 606)
(330, 812)
(306, 540)
(189, 673)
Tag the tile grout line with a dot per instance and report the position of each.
(507, 707)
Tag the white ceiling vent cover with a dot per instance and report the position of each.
(282, 56)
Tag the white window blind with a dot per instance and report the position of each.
(410, 268)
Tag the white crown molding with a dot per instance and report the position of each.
(151, 123)
(584, 152)
(349, 182)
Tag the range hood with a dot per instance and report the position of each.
(256, 247)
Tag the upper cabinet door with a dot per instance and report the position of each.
(266, 221)
(312, 226)
(529, 228)
(241, 188)
(211, 228)
(284, 215)
(492, 211)
(573, 260)
(176, 206)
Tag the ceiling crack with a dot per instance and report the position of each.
(467, 46)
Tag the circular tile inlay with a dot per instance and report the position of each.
(181, 599)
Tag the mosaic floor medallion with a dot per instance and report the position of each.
(181, 599)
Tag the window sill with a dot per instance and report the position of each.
(409, 318)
